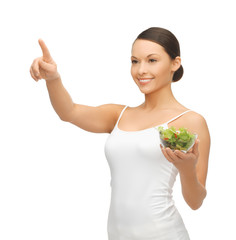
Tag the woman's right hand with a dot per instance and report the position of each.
(44, 67)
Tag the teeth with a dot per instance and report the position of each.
(146, 80)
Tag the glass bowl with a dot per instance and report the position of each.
(181, 140)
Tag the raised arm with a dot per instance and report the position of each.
(99, 119)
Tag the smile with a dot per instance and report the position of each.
(145, 80)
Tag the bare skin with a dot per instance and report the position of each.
(159, 106)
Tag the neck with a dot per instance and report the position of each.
(161, 99)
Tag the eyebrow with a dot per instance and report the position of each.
(149, 55)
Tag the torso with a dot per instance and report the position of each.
(142, 179)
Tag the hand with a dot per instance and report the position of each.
(44, 67)
(183, 161)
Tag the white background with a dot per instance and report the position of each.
(54, 178)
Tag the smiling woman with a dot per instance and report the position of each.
(142, 173)
(154, 63)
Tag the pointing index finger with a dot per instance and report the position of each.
(46, 54)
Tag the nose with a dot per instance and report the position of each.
(142, 69)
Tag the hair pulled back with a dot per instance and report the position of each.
(168, 41)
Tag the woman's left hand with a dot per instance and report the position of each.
(183, 161)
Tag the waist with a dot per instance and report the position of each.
(145, 223)
(155, 206)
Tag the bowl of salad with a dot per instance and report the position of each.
(181, 140)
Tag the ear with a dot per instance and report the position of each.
(176, 63)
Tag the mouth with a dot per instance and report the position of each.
(144, 81)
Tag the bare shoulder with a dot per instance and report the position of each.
(195, 121)
(191, 120)
(113, 110)
(112, 107)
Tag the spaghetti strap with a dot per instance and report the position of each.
(177, 116)
(121, 115)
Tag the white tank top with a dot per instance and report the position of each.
(141, 206)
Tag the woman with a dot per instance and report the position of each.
(142, 171)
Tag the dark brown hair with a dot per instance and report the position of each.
(168, 41)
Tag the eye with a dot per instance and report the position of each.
(152, 60)
(134, 61)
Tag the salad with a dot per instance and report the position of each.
(181, 140)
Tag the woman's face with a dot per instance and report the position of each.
(152, 68)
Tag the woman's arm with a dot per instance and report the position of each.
(193, 191)
(193, 165)
(99, 119)
(194, 181)
(46, 68)
(60, 98)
